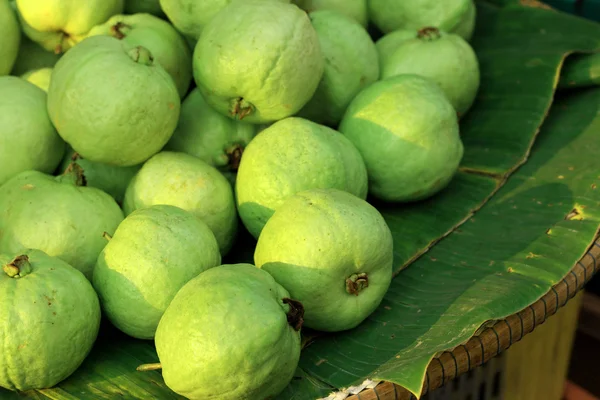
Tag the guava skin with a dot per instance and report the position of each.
(32, 56)
(29, 141)
(290, 156)
(448, 15)
(39, 77)
(153, 253)
(58, 216)
(407, 133)
(351, 64)
(108, 178)
(258, 61)
(48, 323)
(111, 102)
(184, 181)
(167, 46)
(190, 16)
(10, 37)
(447, 59)
(58, 25)
(333, 252)
(355, 9)
(144, 6)
(226, 336)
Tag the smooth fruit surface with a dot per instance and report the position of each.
(39, 77)
(258, 60)
(290, 156)
(355, 9)
(111, 102)
(48, 322)
(407, 133)
(28, 141)
(226, 336)
(10, 37)
(333, 252)
(153, 253)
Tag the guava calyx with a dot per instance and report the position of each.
(429, 33)
(295, 316)
(241, 108)
(18, 267)
(234, 156)
(119, 30)
(355, 283)
(141, 55)
(73, 174)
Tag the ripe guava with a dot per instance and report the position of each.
(292, 155)
(231, 333)
(111, 102)
(258, 60)
(39, 77)
(209, 135)
(144, 6)
(48, 323)
(10, 37)
(447, 59)
(60, 24)
(455, 16)
(407, 132)
(29, 141)
(153, 253)
(184, 181)
(32, 56)
(351, 64)
(355, 9)
(58, 215)
(167, 46)
(333, 252)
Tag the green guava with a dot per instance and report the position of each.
(58, 215)
(48, 323)
(153, 253)
(231, 333)
(447, 59)
(191, 16)
(167, 46)
(32, 56)
(258, 60)
(60, 24)
(144, 6)
(184, 181)
(209, 135)
(355, 9)
(39, 77)
(351, 64)
(28, 139)
(455, 16)
(108, 178)
(407, 132)
(290, 156)
(111, 102)
(10, 37)
(333, 252)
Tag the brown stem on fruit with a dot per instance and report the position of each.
(18, 267)
(74, 174)
(357, 282)
(117, 30)
(295, 315)
(107, 236)
(234, 154)
(241, 108)
(75, 156)
(429, 33)
(149, 367)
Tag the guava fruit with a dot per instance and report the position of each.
(407, 132)
(351, 64)
(10, 37)
(231, 333)
(28, 139)
(333, 252)
(153, 253)
(58, 215)
(39, 77)
(49, 320)
(167, 46)
(184, 181)
(258, 60)
(32, 56)
(111, 102)
(108, 178)
(190, 16)
(355, 9)
(209, 135)
(292, 155)
(447, 59)
(144, 6)
(454, 16)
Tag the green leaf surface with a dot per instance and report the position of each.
(580, 70)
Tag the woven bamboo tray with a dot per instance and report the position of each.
(497, 338)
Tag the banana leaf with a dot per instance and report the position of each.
(581, 70)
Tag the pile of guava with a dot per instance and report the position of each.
(141, 140)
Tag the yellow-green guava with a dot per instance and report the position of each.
(355, 9)
(39, 77)
(10, 37)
